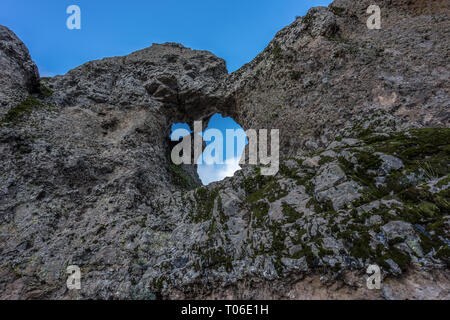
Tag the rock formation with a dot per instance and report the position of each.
(364, 179)
(19, 75)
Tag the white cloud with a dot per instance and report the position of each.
(211, 173)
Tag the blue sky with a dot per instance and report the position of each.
(209, 171)
(236, 30)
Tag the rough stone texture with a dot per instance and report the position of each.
(168, 78)
(19, 75)
(416, 285)
(330, 175)
(86, 178)
(326, 69)
(341, 194)
(398, 229)
(390, 163)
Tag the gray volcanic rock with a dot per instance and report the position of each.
(94, 153)
(327, 69)
(19, 75)
(85, 175)
(168, 78)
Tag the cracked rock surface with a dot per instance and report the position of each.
(85, 175)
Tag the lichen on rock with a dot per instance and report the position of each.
(363, 179)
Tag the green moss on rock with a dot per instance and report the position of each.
(260, 211)
(180, 178)
(21, 111)
(277, 52)
(45, 91)
(290, 213)
(204, 204)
